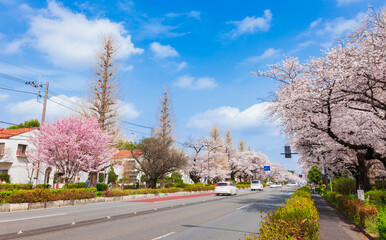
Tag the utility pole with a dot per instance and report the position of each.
(38, 85)
(45, 103)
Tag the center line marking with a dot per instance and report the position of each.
(164, 236)
(244, 206)
(20, 219)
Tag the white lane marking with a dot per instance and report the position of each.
(164, 236)
(244, 206)
(20, 219)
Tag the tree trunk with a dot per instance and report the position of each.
(363, 181)
(162, 185)
(152, 182)
(93, 179)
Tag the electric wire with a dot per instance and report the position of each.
(20, 91)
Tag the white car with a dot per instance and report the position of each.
(293, 184)
(273, 185)
(279, 185)
(256, 185)
(225, 188)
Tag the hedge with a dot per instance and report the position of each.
(45, 195)
(296, 219)
(354, 208)
(12, 187)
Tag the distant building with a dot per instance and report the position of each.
(13, 159)
(125, 165)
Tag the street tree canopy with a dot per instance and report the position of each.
(33, 123)
(314, 174)
(72, 145)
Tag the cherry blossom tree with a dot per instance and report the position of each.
(72, 145)
(332, 108)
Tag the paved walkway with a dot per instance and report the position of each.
(333, 225)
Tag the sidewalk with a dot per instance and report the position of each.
(333, 225)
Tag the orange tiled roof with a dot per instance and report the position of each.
(127, 154)
(8, 133)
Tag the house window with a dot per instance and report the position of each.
(21, 148)
(2, 147)
(3, 171)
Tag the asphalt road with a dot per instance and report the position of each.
(204, 217)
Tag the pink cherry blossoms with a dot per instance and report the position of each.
(71, 145)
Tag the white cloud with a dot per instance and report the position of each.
(335, 27)
(195, 83)
(344, 2)
(251, 25)
(267, 54)
(163, 51)
(128, 110)
(61, 106)
(153, 28)
(32, 109)
(191, 14)
(3, 97)
(69, 39)
(231, 117)
(181, 66)
(315, 23)
(128, 68)
(194, 14)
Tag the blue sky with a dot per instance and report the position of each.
(203, 51)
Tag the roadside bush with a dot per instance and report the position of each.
(344, 185)
(243, 186)
(379, 186)
(102, 186)
(198, 187)
(376, 195)
(296, 219)
(46, 186)
(12, 187)
(381, 224)
(4, 195)
(76, 185)
(6, 177)
(45, 195)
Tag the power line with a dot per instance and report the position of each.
(137, 131)
(13, 90)
(13, 124)
(138, 125)
(20, 66)
(12, 78)
(63, 105)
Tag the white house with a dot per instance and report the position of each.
(13, 160)
(125, 166)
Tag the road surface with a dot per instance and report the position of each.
(204, 216)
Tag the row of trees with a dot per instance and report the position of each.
(87, 142)
(218, 160)
(333, 108)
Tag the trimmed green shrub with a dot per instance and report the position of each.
(102, 186)
(376, 195)
(101, 177)
(6, 177)
(112, 176)
(45, 195)
(47, 186)
(381, 224)
(344, 186)
(296, 219)
(12, 187)
(76, 185)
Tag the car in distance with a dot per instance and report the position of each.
(292, 184)
(227, 188)
(279, 185)
(256, 185)
(273, 185)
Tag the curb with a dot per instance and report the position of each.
(349, 219)
(12, 207)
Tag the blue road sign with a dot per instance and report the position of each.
(267, 168)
